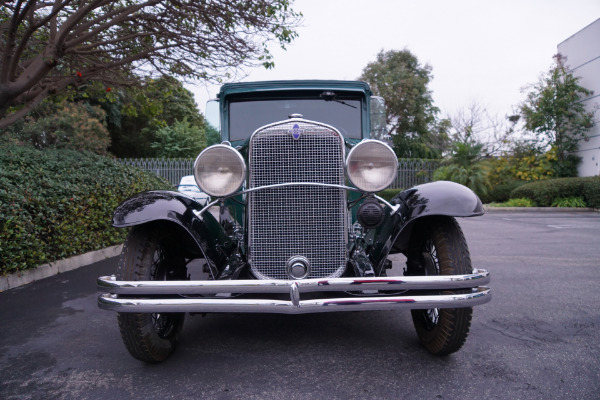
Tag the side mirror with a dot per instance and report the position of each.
(378, 118)
(212, 123)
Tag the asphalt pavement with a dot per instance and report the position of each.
(538, 338)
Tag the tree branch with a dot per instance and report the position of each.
(51, 18)
(110, 41)
(29, 106)
(11, 40)
(114, 18)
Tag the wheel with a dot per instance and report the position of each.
(151, 254)
(438, 247)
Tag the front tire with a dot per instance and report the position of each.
(151, 254)
(438, 247)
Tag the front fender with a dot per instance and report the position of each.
(435, 198)
(440, 198)
(176, 208)
(153, 206)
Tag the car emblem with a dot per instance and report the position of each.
(296, 132)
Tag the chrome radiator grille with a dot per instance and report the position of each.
(307, 221)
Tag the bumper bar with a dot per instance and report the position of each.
(166, 296)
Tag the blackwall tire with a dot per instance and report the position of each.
(438, 247)
(150, 254)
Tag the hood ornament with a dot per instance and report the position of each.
(296, 132)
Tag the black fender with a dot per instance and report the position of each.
(205, 232)
(440, 198)
(435, 198)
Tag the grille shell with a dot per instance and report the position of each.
(306, 221)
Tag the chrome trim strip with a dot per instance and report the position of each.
(207, 207)
(300, 120)
(109, 284)
(278, 185)
(113, 303)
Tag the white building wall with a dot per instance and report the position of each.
(582, 51)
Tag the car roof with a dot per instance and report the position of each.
(270, 86)
(187, 180)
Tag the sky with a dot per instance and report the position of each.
(480, 51)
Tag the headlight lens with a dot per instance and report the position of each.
(219, 170)
(371, 166)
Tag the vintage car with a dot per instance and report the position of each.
(188, 185)
(295, 225)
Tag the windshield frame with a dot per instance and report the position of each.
(357, 98)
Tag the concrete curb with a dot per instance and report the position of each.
(56, 267)
(533, 209)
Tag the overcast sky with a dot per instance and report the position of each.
(483, 51)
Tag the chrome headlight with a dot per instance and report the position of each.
(371, 166)
(219, 170)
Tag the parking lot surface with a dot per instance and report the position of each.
(539, 337)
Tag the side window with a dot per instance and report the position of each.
(212, 123)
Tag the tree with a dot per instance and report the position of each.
(46, 46)
(212, 134)
(475, 123)
(402, 81)
(553, 111)
(179, 140)
(157, 104)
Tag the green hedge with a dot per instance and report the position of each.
(542, 193)
(58, 203)
(501, 192)
(545, 192)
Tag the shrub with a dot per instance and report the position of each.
(67, 125)
(58, 203)
(465, 166)
(544, 193)
(591, 191)
(526, 162)
(515, 203)
(501, 193)
(573, 202)
(519, 203)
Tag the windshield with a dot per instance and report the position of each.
(341, 113)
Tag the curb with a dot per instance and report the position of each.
(56, 267)
(545, 209)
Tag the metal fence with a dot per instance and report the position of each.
(172, 169)
(414, 171)
(411, 172)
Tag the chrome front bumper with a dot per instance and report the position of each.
(172, 296)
